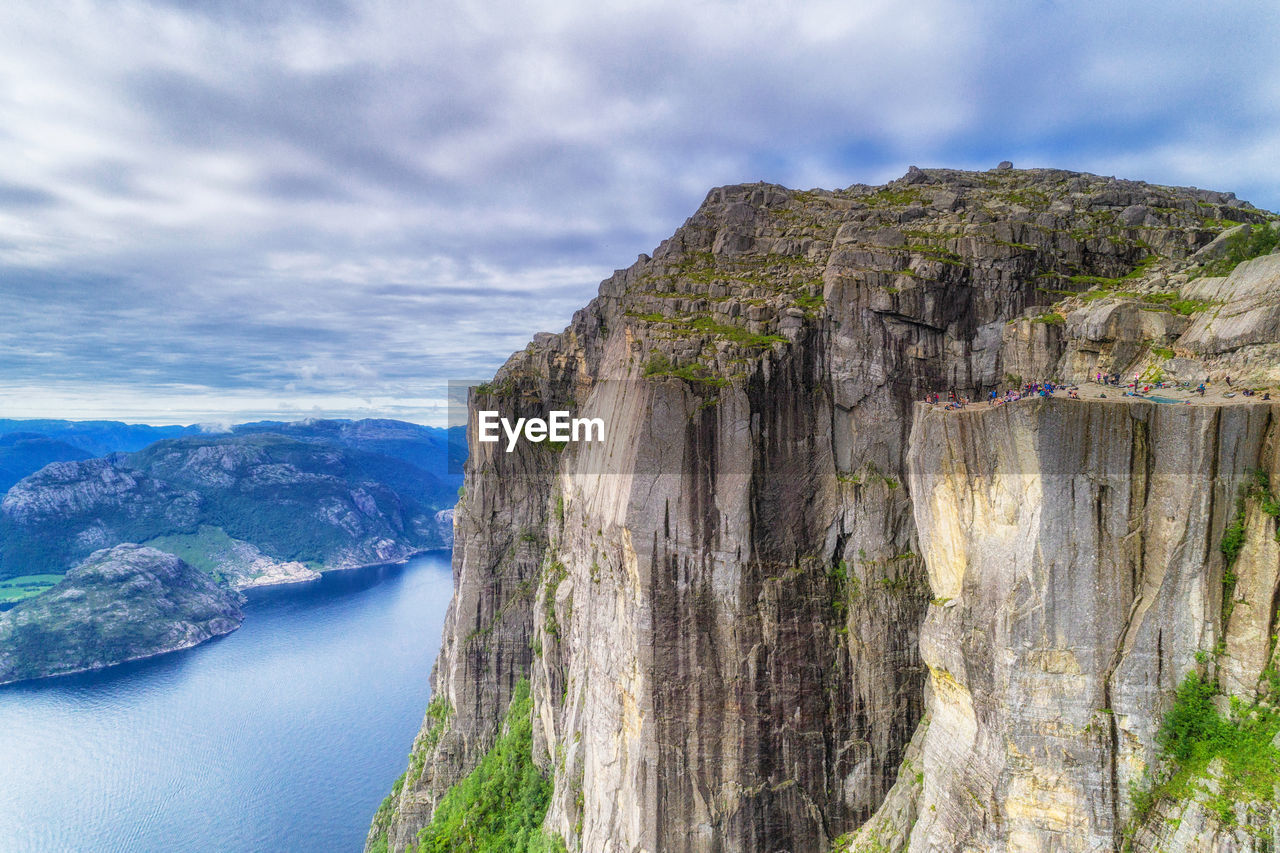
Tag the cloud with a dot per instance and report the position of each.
(292, 206)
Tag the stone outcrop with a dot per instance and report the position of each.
(1163, 320)
(730, 630)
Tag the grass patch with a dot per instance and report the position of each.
(498, 388)
(735, 334)
(1193, 734)
(1172, 302)
(200, 549)
(838, 575)
(1052, 318)
(659, 364)
(384, 815)
(558, 572)
(893, 198)
(1168, 301)
(26, 586)
(1258, 489)
(708, 326)
(811, 303)
(439, 712)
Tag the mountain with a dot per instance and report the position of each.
(97, 438)
(787, 605)
(23, 453)
(439, 453)
(26, 446)
(258, 507)
(120, 604)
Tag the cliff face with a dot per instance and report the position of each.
(721, 606)
(1073, 551)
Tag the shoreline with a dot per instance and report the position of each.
(272, 588)
(321, 574)
(133, 659)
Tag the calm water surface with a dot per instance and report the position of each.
(284, 735)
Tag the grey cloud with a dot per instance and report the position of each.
(16, 196)
(366, 199)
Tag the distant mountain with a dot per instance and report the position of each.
(257, 507)
(23, 453)
(26, 446)
(97, 438)
(436, 451)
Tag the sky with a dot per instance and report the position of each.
(234, 209)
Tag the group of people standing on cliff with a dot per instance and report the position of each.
(995, 398)
(953, 402)
(1136, 388)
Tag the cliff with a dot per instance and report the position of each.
(1073, 552)
(732, 612)
(120, 604)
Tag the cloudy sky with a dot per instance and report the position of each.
(236, 208)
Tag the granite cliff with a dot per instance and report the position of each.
(785, 607)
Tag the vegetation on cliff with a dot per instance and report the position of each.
(1230, 760)
(499, 806)
(1247, 243)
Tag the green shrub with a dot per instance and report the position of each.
(383, 817)
(1192, 723)
(658, 365)
(499, 807)
(1193, 734)
(1250, 243)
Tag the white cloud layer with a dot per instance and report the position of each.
(328, 207)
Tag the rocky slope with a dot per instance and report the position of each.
(120, 604)
(255, 508)
(731, 634)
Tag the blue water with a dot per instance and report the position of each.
(282, 736)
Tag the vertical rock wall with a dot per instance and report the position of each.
(1072, 549)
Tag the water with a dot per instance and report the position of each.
(284, 735)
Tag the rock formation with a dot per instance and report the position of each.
(781, 603)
